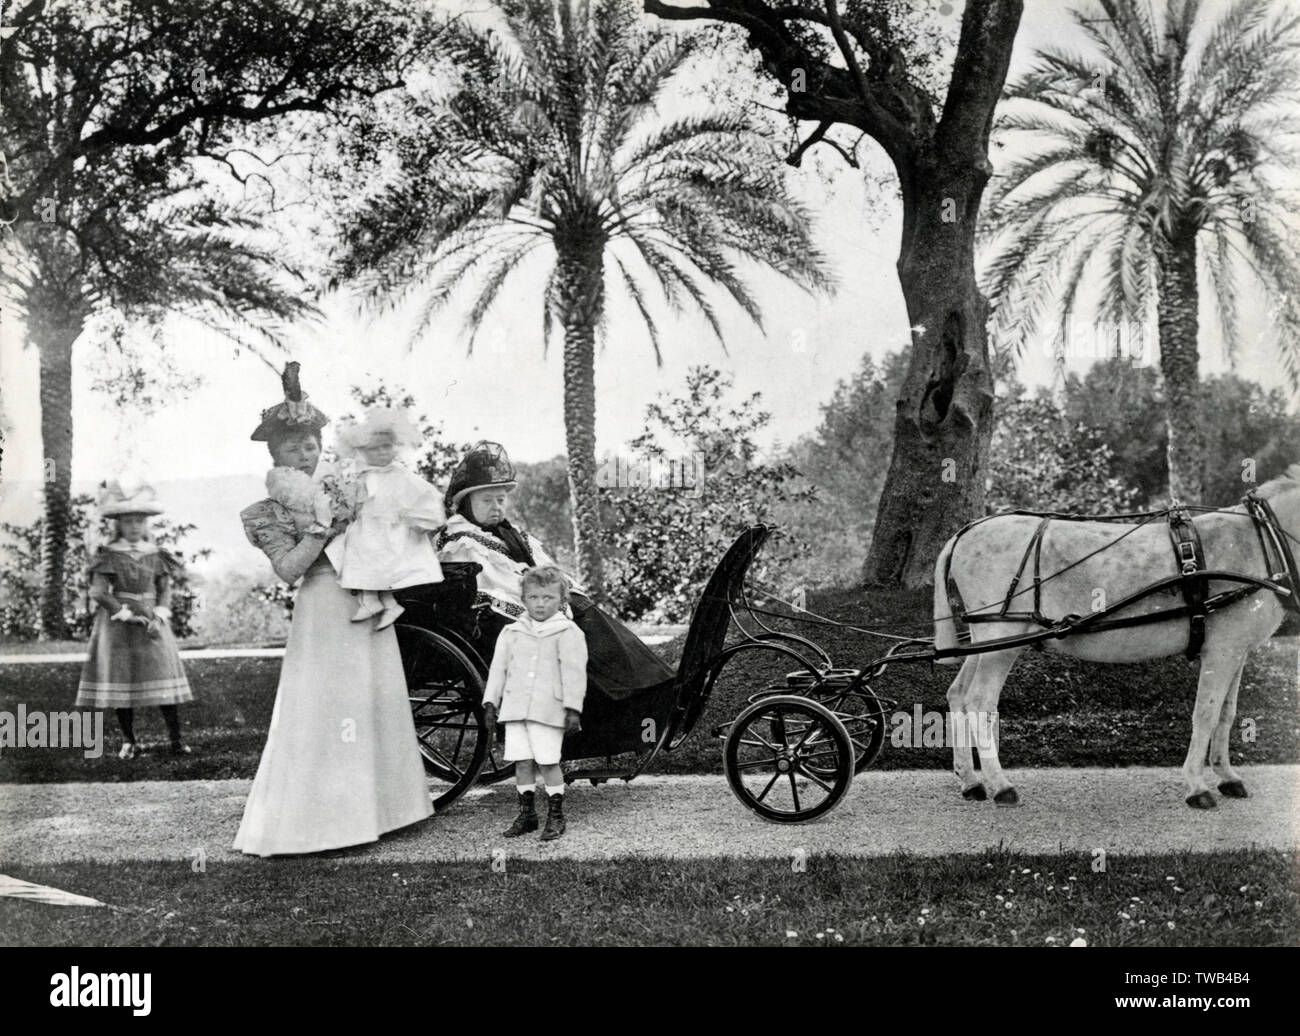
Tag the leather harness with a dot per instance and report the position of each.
(1192, 578)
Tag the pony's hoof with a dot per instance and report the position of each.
(1202, 800)
(975, 793)
(1007, 797)
(1233, 790)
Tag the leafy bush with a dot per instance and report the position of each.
(1041, 460)
(237, 609)
(1248, 432)
(20, 583)
(845, 461)
(664, 542)
(541, 505)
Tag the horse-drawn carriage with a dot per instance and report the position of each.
(807, 726)
(809, 740)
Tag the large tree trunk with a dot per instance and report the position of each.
(942, 427)
(53, 325)
(581, 294)
(1180, 364)
(943, 423)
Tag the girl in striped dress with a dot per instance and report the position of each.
(133, 659)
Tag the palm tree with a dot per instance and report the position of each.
(194, 260)
(547, 140)
(107, 108)
(1165, 155)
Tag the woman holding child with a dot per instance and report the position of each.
(341, 764)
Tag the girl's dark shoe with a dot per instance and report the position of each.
(527, 819)
(554, 818)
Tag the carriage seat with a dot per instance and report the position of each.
(450, 602)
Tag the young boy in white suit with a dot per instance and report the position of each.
(536, 687)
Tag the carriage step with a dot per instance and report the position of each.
(597, 776)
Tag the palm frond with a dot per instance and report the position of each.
(638, 297)
(501, 269)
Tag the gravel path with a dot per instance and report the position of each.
(1138, 810)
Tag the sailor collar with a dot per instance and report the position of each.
(138, 549)
(557, 623)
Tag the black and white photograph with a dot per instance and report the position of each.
(883, 415)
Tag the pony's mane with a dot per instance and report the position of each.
(1284, 483)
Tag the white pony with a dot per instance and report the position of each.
(984, 559)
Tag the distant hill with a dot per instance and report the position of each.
(211, 504)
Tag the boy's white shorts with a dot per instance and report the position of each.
(526, 739)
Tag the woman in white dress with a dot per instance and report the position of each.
(341, 765)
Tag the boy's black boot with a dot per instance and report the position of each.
(527, 819)
(554, 818)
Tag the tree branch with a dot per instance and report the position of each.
(846, 51)
(832, 94)
(988, 30)
(818, 136)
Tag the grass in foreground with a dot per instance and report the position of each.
(1055, 711)
(993, 899)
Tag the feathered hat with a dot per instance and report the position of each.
(295, 414)
(485, 466)
(114, 502)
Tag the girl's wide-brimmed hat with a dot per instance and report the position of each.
(114, 502)
(485, 466)
(295, 414)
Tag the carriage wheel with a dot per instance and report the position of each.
(446, 695)
(864, 719)
(495, 768)
(788, 758)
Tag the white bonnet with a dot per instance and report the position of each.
(355, 434)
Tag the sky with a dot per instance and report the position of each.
(509, 390)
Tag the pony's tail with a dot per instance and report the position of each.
(945, 623)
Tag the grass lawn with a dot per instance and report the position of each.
(227, 724)
(995, 899)
(1055, 711)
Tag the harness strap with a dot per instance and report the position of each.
(1097, 622)
(1261, 511)
(1034, 547)
(1190, 559)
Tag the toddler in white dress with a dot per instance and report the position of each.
(387, 547)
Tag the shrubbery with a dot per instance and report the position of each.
(1040, 460)
(665, 542)
(237, 609)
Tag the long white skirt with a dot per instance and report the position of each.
(341, 765)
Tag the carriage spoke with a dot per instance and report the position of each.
(763, 794)
(794, 790)
(817, 780)
(813, 728)
(753, 764)
(439, 758)
(761, 743)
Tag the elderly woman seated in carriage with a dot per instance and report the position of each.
(787, 758)
(478, 530)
